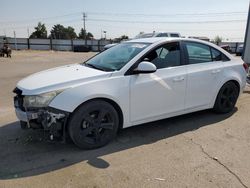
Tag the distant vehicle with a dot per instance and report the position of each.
(200, 38)
(109, 46)
(226, 47)
(6, 50)
(248, 79)
(134, 82)
(239, 50)
(158, 34)
(148, 35)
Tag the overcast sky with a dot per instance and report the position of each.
(226, 18)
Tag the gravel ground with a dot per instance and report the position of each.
(201, 149)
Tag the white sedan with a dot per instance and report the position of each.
(132, 83)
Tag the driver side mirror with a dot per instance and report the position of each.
(145, 67)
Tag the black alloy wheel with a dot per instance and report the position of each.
(226, 98)
(94, 124)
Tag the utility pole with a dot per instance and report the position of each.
(84, 16)
(105, 33)
(28, 32)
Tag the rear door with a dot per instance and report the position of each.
(204, 70)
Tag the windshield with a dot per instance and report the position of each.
(116, 57)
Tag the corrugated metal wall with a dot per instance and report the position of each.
(55, 44)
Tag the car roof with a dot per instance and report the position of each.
(166, 39)
(159, 40)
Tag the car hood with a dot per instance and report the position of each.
(59, 78)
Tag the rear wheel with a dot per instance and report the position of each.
(226, 98)
(93, 125)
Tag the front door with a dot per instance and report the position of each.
(153, 96)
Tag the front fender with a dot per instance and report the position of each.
(115, 89)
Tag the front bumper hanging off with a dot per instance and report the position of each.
(25, 116)
(49, 119)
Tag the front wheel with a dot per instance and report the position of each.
(93, 124)
(226, 98)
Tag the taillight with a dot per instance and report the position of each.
(245, 67)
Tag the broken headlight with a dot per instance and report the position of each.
(41, 100)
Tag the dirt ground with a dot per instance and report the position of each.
(201, 149)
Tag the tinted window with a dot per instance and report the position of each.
(198, 53)
(174, 35)
(167, 55)
(162, 35)
(218, 56)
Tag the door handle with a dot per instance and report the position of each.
(216, 71)
(178, 79)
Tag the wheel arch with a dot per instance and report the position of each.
(235, 81)
(110, 101)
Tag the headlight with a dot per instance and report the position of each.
(41, 100)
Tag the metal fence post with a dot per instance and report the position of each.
(28, 42)
(51, 45)
(99, 45)
(72, 46)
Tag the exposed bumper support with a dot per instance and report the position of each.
(49, 119)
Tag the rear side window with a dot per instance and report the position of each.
(198, 53)
(218, 56)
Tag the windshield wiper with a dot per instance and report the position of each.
(98, 68)
(93, 66)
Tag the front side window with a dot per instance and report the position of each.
(165, 56)
(116, 57)
(198, 53)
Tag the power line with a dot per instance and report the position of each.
(168, 22)
(135, 22)
(127, 14)
(160, 15)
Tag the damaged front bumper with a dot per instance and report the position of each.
(26, 116)
(49, 119)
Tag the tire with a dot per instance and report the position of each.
(226, 98)
(23, 124)
(93, 125)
